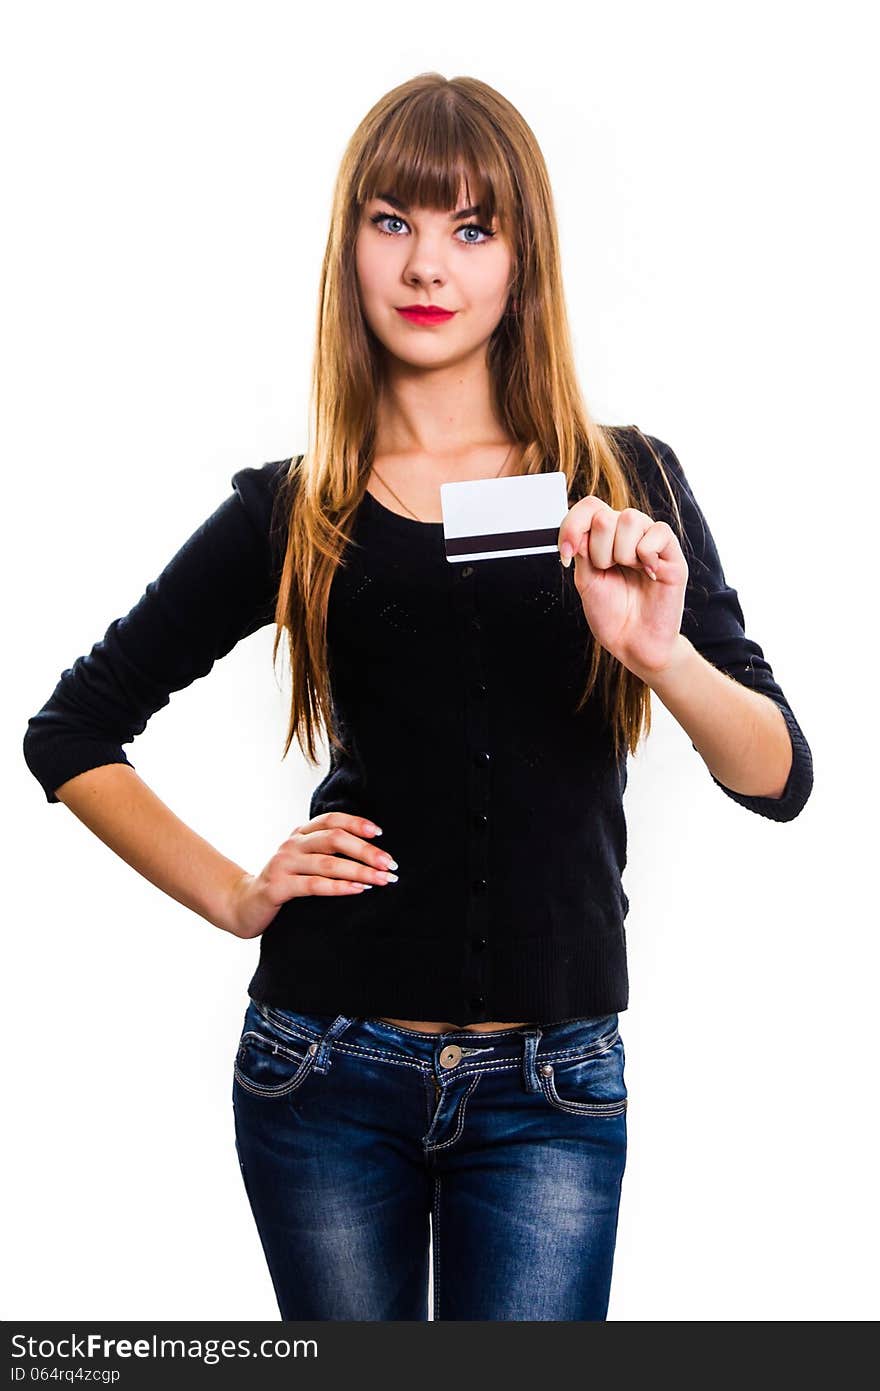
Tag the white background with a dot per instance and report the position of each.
(168, 171)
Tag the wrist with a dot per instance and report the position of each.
(672, 669)
(229, 918)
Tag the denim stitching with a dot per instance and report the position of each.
(579, 1108)
(307, 1036)
(462, 1105)
(553, 1055)
(271, 1045)
(402, 1061)
(300, 1031)
(597, 1047)
(432, 1097)
(284, 1089)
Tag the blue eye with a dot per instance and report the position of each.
(466, 226)
(378, 218)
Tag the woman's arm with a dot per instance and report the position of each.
(741, 739)
(218, 588)
(742, 735)
(122, 811)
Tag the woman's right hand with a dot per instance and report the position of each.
(309, 862)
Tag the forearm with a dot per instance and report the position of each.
(741, 734)
(122, 811)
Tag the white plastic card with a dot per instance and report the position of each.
(494, 518)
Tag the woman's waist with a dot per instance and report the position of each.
(431, 1026)
(561, 1038)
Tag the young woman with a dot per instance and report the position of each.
(438, 1065)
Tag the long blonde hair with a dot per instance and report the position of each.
(424, 139)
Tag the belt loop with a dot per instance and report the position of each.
(322, 1056)
(532, 1037)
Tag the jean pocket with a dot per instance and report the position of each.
(266, 1067)
(587, 1084)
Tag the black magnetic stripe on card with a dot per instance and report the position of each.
(501, 541)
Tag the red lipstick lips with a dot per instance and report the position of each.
(425, 313)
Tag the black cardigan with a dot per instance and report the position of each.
(454, 686)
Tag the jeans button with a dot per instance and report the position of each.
(450, 1055)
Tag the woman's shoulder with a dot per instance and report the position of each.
(638, 447)
(265, 491)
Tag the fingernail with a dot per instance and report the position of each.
(649, 571)
(373, 830)
(566, 553)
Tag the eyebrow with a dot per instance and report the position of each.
(395, 202)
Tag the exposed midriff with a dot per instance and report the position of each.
(429, 1026)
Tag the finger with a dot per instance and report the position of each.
(576, 522)
(655, 548)
(335, 867)
(631, 549)
(335, 841)
(358, 825)
(585, 569)
(597, 546)
(321, 886)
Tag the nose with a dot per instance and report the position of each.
(425, 265)
(422, 276)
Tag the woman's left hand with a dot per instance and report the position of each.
(637, 618)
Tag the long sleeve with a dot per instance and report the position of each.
(713, 621)
(218, 588)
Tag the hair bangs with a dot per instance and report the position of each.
(431, 153)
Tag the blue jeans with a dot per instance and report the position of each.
(357, 1138)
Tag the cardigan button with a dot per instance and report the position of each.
(480, 688)
(481, 820)
(475, 623)
(480, 886)
(479, 943)
(467, 571)
(482, 756)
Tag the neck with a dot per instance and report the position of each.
(442, 412)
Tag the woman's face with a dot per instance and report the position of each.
(410, 256)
